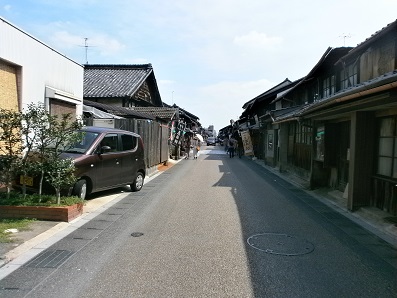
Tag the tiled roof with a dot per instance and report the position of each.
(119, 111)
(268, 96)
(182, 112)
(159, 112)
(330, 56)
(114, 80)
(373, 38)
(284, 83)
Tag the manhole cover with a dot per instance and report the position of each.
(280, 244)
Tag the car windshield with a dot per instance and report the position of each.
(84, 144)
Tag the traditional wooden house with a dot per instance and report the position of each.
(296, 134)
(344, 133)
(122, 85)
(116, 90)
(257, 118)
(192, 121)
(131, 92)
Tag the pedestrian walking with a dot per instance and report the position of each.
(231, 147)
(196, 147)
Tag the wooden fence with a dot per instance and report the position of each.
(154, 135)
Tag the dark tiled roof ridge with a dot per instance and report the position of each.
(327, 55)
(373, 37)
(267, 92)
(153, 108)
(119, 66)
(377, 32)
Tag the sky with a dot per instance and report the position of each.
(209, 56)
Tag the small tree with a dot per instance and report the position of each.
(60, 173)
(10, 146)
(64, 134)
(44, 137)
(35, 121)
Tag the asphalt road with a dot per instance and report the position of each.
(213, 227)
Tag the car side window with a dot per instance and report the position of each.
(111, 140)
(128, 142)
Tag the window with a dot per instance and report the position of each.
(128, 142)
(348, 76)
(111, 140)
(387, 147)
(303, 134)
(87, 138)
(329, 86)
(320, 143)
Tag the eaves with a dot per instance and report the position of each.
(383, 83)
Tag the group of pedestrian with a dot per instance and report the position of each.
(192, 144)
(234, 146)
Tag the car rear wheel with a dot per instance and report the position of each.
(137, 184)
(80, 189)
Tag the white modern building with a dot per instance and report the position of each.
(32, 72)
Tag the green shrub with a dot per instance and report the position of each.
(17, 199)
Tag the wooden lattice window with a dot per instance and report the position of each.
(387, 147)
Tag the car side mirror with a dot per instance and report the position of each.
(105, 149)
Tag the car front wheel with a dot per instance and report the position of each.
(80, 189)
(137, 184)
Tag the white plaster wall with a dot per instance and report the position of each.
(41, 67)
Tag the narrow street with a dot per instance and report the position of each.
(213, 227)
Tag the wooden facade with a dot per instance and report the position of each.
(337, 127)
(154, 136)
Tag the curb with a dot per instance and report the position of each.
(18, 256)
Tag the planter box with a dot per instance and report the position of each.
(65, 213)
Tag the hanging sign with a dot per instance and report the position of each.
(247, 143)
(178, 133)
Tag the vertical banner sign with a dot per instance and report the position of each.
(178, 134)
(247, 143)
